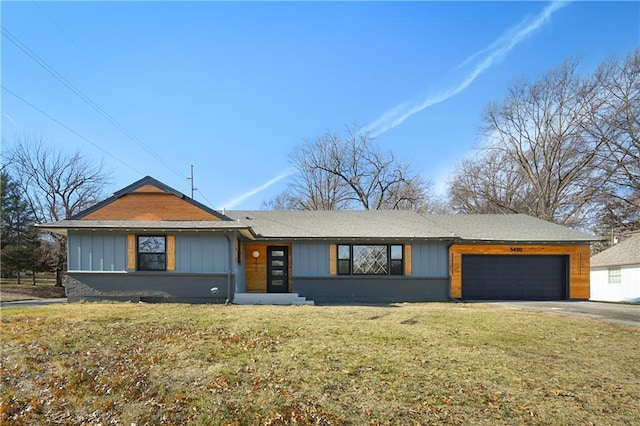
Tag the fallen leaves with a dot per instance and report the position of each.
(119, 364)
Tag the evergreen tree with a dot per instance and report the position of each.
(19, 242)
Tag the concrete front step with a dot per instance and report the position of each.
(270, 299)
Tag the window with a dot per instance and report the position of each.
(395, 264)
(152, 253)
(344, 260)
(615, 275)
(370, 259)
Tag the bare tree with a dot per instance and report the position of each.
(315, 186)
(538, 158)
(351, 172)
(615, 120)
(57, 186)
(565, 148)
(489, 183)
(617, 123)
(283, 201)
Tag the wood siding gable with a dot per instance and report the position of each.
(151, 207)
(149, 200)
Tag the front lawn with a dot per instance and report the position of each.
(105, 363)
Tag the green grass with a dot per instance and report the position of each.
(404, 364)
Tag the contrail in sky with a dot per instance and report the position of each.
(240, 198)
(10, 119)
(484, 59)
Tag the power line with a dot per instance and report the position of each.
(82, 51)
(20, 45)
(93, 143)
(70, 129)
(63, 32)
(193, 188)
(206, 199)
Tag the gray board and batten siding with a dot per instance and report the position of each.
(428, 281)
(430, 259)
(195, 251)
(97, 252)
(310, 259)
(98, 269)
(200, 252)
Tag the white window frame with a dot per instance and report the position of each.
(614, 275)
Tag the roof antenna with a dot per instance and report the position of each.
(191, 179)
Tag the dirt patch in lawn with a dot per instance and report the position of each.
(10, 292)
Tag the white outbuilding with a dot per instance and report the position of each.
(615, 272)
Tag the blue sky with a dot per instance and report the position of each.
(232, 88)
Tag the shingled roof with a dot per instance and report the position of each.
(400, 224)
(343, 224)
(334, 224)
(507, 227)
(624, 253)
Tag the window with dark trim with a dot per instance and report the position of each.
(370, 259)
(152, 253)
(344, 259)
(396, 260)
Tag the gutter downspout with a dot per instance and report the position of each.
(231, 252)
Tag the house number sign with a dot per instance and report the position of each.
(516, 250)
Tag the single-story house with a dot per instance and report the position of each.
(615, 272)
(149, 242)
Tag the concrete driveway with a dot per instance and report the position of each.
(619, 313)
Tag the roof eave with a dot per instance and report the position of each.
(525, 241)
(353, 238)
(47, 228)
(63, 229)
(616, 265)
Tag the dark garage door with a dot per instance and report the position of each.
(515, 277)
